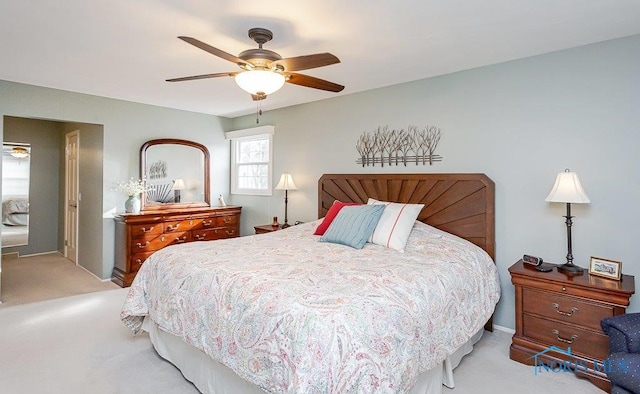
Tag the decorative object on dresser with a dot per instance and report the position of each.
(557, 311)
(286, 184)
(139, 236)
(266, 228)
(133, 188)
(568, 189)
(386, 146)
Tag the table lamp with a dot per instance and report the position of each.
(178, 185)
(568, 189)
(286, 184)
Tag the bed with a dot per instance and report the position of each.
(15, 211)
(278, 318)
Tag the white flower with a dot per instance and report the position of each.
(133, 187)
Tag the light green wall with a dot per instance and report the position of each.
(126, 127)
(519, 122)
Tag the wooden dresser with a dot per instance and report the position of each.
(139, 235)
(564, 310)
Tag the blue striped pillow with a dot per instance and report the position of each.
(353, 225)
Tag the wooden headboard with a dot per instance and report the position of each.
(460, 204)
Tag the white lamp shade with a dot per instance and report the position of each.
(568, 189)
(178, 184)
(260, 81)
(286, 183)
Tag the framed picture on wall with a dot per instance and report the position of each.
(606, 268)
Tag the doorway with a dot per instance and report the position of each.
(49, 195)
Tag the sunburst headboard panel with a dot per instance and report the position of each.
(461, 204)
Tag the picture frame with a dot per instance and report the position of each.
(606, 268)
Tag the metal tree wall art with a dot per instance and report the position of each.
(402, 146)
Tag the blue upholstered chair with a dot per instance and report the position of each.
(624, 352)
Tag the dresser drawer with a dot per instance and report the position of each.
(228, 220)
(139, 258)
(146, 229)
(581, 341)
(140, 245)
(182, 225)
(214, 233)
(565, 308)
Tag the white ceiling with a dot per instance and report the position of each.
(125, 49)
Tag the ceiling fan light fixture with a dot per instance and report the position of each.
(260, 82)
(19, 152)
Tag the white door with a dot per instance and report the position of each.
(71, 196)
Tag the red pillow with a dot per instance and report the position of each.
(331, 214)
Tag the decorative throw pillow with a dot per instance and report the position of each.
(353, 225)
(331, 214)
(395, 224)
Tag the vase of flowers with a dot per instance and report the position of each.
(133, 188)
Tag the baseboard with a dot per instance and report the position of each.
(33, 254)
(504, 329)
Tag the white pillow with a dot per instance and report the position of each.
(395, 224)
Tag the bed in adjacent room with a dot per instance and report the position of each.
(15, 211)
(284, 312)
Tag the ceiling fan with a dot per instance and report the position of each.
(263, 71)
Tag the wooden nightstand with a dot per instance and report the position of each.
(561, 310)
(266, 228)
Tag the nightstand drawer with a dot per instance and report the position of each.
(583, 342)
(565, 308)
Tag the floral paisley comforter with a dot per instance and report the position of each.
(291, 314)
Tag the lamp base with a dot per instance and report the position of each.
(285, 225)
(570, 268)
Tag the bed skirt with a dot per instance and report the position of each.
(211, 377)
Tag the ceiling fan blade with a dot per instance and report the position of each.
(313, 82)
(306, 62)
(203, 76)
(212, 50)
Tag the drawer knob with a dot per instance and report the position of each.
(171, 228)
(146, 230)
(227, 220)
(181, 239)
(207, 222)
(230, 232)
(573, 310)
(569, 341)
(141, 246)
(200, 237)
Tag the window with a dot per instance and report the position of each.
(251, 157)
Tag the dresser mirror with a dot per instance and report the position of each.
(178, 173)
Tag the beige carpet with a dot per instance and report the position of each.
(78, 345)
(44, 277)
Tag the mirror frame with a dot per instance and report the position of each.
(175, 141)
